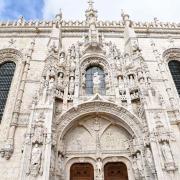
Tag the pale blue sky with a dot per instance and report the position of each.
(139, 10)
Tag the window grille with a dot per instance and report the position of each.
(174, 67)
(89, 80)
(6, 74)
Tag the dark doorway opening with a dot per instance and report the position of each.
(115, 171)
(81, 171)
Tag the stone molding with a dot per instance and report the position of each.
(10, 54)
(131, 123)
(63, 23)
(171, 54)
(94, 60)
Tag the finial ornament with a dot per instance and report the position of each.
(91, 13)
(59, 15)
(90, 2)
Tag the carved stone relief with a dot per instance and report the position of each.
(100, 134)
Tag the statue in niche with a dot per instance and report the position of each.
(39, 130)
(72, 67)
(131, 81)
(120, 82)
(71, 86)
(36, 158)
(61, 58)
(73, 51)
(60, 82)
(135, 168)
(139, 164)
(116, 52)
(60, 164)
(149, 158)
(99, 166)
(96, 82)
(166, 152)
(51, 84)
(52, 162)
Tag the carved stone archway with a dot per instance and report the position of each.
(94, 60)
(129, 121)
(80, 117)
(10, 54)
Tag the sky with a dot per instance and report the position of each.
(139, 10)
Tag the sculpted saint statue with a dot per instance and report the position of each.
(99, 166)
(135, 168)
(166, 152)
(61, 58)
(139, 164)
(39, 130)
(71, 86)
(51, 83)
(96, 82)
(36, 159)
(149, 157)
(73, 51)
(60, 82)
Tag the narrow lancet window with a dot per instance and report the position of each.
(174, 67)
(6, 74)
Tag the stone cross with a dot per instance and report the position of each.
(90, 2)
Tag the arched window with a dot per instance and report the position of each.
(89, 79)
(174, 67)
(6, 74)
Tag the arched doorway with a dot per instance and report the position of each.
(81, 171)
(115, 171)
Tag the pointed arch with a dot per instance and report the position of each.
(6, 75)
(9, 59)
(174, 67)
(122, 116)
(172, 57)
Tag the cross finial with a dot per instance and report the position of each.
(90, 2)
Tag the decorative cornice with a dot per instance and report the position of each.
(77, 23)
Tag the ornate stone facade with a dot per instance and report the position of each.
(93, 94)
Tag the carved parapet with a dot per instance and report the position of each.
(100, 24)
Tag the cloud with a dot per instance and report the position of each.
(139, 10)
(12, 9)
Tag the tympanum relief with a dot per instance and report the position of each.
(96, 134)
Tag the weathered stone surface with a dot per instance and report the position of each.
(51, 122)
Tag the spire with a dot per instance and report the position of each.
(91, 13)
(125, 18)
